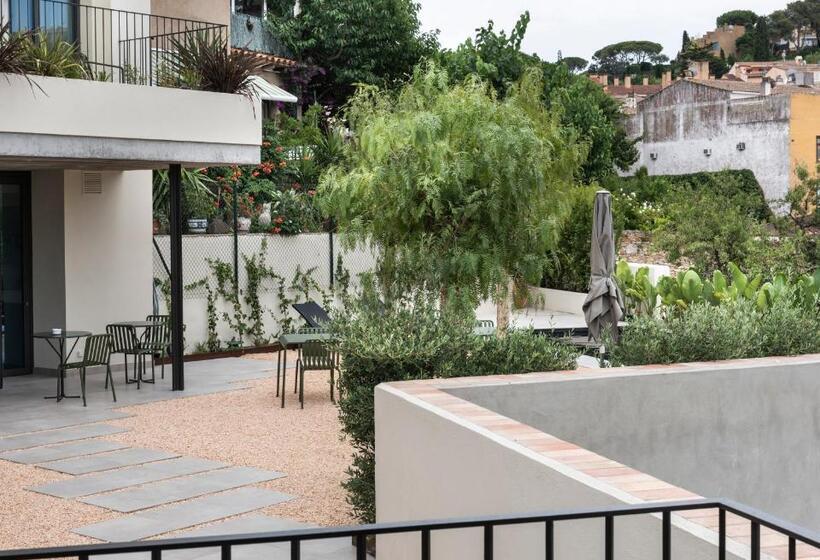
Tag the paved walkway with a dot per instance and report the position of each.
(155, 491)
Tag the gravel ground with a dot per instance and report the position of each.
(248, 428)
(243, 427)
(31, 520)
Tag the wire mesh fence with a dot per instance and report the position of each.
(238, 289)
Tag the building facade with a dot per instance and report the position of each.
(723, 39)
(702, 125)
(76, 161)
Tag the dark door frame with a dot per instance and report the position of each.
(23, 179)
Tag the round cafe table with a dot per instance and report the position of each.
(58, 343)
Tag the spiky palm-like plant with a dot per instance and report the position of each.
(204, 61)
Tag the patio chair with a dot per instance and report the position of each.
(304, 330)
(158, 339)
(484, 327)
(97, 353)
(315, 356)
(126, 342)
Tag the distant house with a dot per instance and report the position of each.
(627, 93)
(721, 39)
(711, 125)
(779, 72)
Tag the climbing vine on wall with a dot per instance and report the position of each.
(242, 309)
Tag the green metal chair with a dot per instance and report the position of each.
(304, 330)
(484, 327)
(315, 356)
(157, 339)
(97, 352)
(126, 342)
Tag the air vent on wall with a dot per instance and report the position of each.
(92, 183)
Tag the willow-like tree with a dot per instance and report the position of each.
(459, 190)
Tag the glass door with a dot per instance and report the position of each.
(15, 273)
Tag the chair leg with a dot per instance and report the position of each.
(302, 387)
(278, 367)
(162, 365)
(126, 368)
(108, 377)
(82, 384)
(296, 379)
(332, 384)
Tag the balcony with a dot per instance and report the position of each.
(115, 45)
(110, 120)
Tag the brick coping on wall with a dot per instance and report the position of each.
(620, 481)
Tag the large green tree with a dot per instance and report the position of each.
(497, 58)
(617, 58)
(351, 42)
(493, 56)
(746, 18)
(458, 189)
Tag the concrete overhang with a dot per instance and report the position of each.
(59, 123)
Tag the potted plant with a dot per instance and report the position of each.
(246, 210)
(199, 208)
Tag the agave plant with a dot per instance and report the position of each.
(204, 61)
(12, 50)
(54, 57)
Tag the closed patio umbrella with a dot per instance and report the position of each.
(603, 306)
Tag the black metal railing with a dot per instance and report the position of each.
(426, 529)
(115, 45)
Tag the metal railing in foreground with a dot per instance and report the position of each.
(425, 529)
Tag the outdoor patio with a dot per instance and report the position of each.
(156, 464)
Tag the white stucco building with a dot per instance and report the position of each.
(75, 170)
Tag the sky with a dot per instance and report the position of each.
(580, 27)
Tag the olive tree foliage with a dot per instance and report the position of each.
(459, 190)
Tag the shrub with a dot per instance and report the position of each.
(411, 340)
(707, 229)
(736, 329)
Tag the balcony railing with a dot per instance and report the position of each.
(115, 45)
(424, 530)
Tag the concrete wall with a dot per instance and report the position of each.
(212, 11)
(684, 120)
(93, 120)
(47, 260)
(108, 250)
(430, 465)
(91, 253)
(746, 431)
(284, 255)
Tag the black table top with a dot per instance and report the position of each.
(64, 334)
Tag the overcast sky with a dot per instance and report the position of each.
(580, 27)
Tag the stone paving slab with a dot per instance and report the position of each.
(123, 478)
(178, 489)
(337, 549)
(107, 461)
(39, 422)
(187, 514)
(37, 439)
(36, 455)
